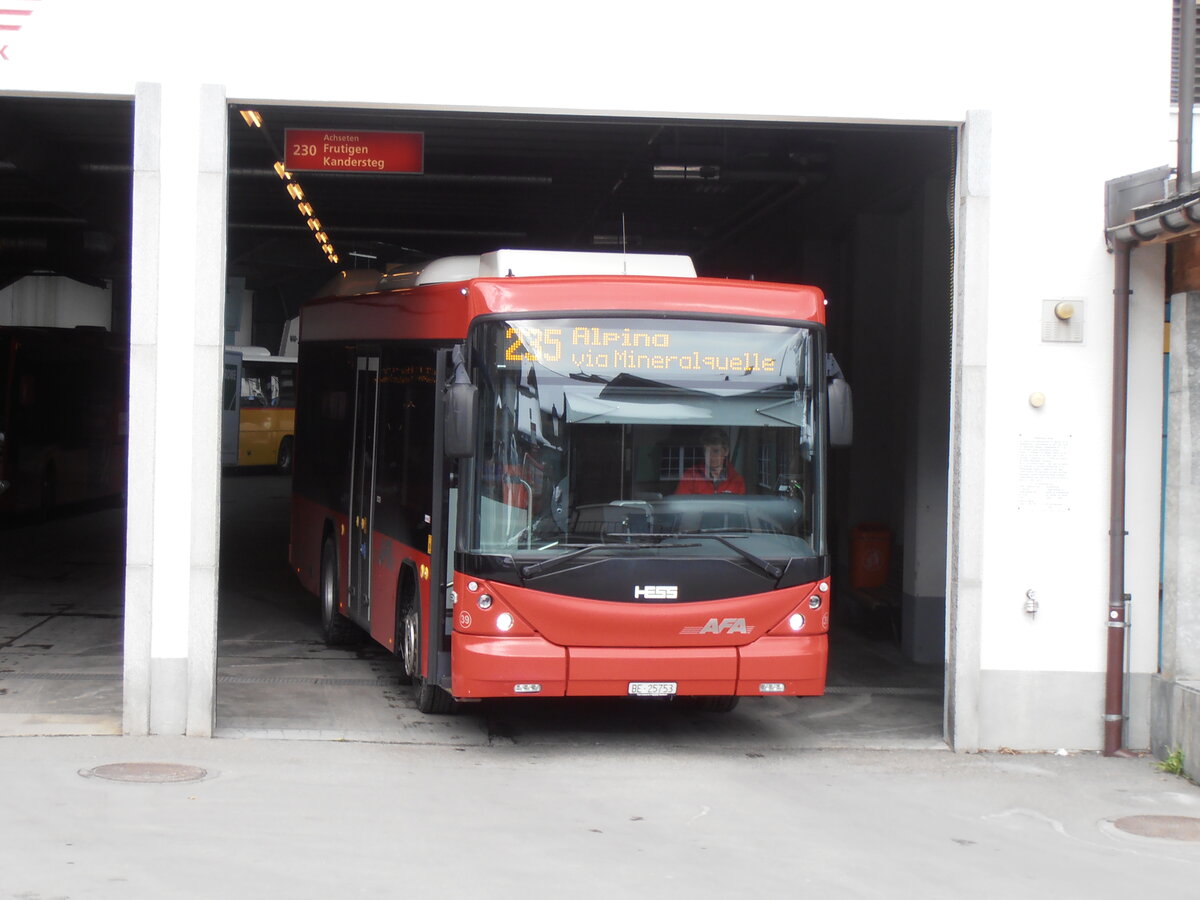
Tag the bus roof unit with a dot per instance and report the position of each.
(538, 263)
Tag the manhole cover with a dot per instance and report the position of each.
(145, 772)
(1176, 828)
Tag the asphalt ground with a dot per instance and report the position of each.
(301, 819)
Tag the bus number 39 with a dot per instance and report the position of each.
(533, 345)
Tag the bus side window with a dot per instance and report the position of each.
(252, 391)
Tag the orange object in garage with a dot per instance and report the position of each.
(870, 553)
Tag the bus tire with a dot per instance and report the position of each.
(402, 642)
(430, 698)
(338, 630)
(283, 460)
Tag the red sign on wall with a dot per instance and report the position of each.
(355, 151)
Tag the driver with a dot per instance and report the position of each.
(715, 475)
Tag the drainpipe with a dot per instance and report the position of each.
(1114, 679)
(1187, 95)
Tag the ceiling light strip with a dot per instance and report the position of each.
(253, 119)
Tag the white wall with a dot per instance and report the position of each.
(928, 60)
(1075, 92)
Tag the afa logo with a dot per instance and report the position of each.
(719, 626)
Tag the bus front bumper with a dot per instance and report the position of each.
(532, 666)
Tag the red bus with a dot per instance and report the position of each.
(63, 417)
(491, 477)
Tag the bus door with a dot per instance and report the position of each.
(231, 392)
(362, 487)
(443, 528)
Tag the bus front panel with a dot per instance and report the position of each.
(647, 497)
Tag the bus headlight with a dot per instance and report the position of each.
(796, 621)
(505, 621)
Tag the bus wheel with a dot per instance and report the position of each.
(429, 697)
(432, 699)
(337, 628)
(403, 641)
(283, 462)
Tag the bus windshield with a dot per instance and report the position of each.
(639, 436)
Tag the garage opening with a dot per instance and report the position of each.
(65, 185)
(862, 211)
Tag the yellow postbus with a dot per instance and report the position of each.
(259, 409)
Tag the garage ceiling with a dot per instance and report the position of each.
(489, 181)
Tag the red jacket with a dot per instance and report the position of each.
(695, 481)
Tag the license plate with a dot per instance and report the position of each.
(652, 688)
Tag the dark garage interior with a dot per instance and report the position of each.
(862, 211)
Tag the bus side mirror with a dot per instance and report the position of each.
(841, 413)
(461, 413)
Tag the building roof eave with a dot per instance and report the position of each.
(1167, 223)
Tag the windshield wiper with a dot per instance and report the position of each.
(535, 568)
(769, 567)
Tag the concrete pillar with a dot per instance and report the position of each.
(968, 434)
(176, 337)
(1181, 539)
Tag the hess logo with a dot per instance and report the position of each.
(656, 592)
(717, 626)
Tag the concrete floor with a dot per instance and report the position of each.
(61, 595)
(60, 660)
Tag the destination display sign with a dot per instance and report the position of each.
(354, 151)
(637, 347)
